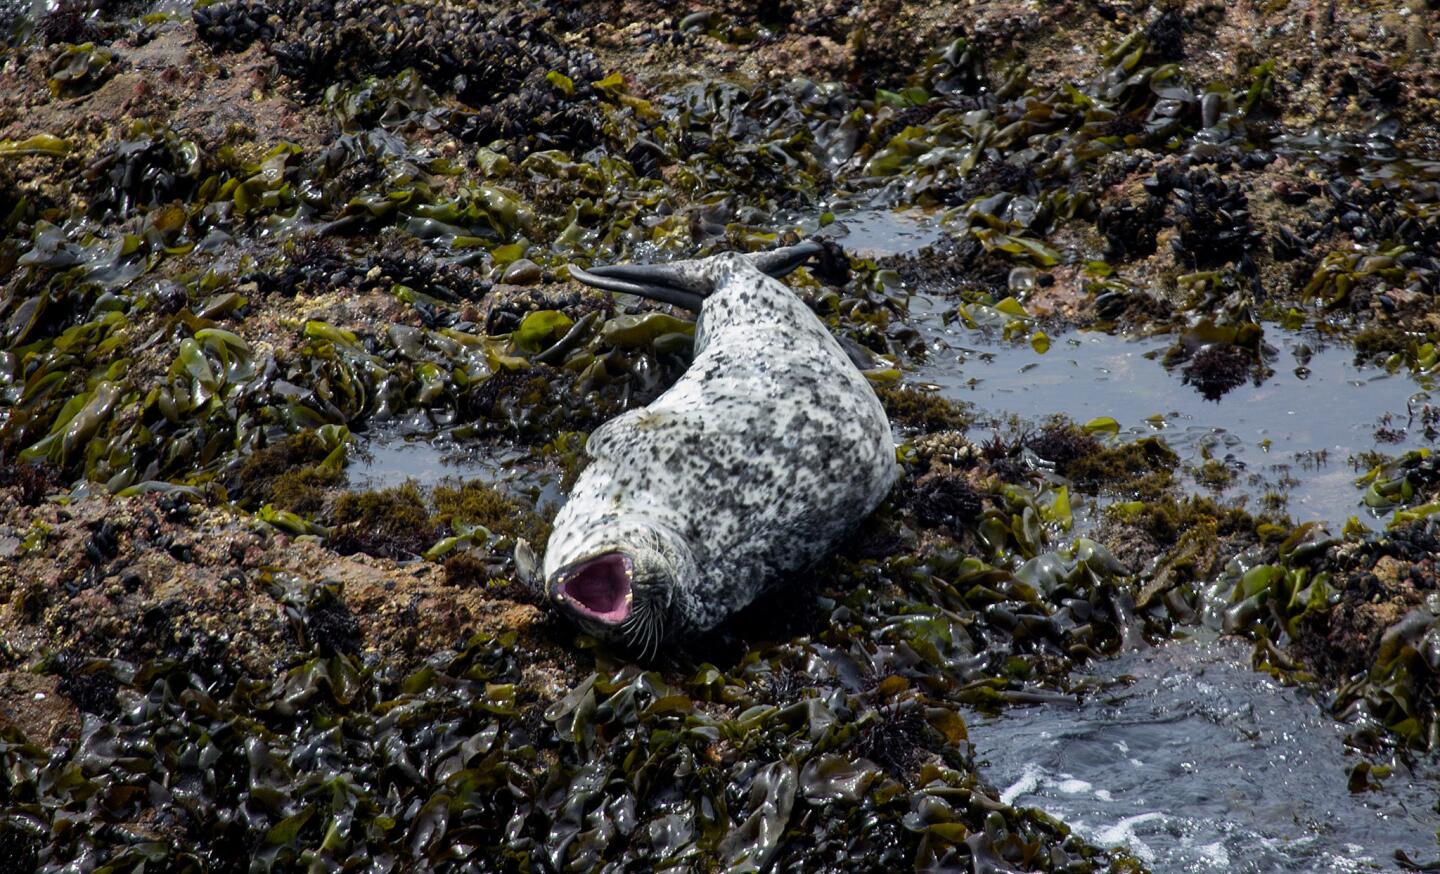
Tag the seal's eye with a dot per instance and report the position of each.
(600, 588)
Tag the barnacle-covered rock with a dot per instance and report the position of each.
(947, 447)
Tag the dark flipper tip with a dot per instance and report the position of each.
(665, 294)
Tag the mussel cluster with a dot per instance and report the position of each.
(233, 26)
(1212, 218)
(516, 80)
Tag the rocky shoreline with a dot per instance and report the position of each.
(240, 239)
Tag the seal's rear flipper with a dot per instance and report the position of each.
(641, 281)
(780, 262)
(687, 283)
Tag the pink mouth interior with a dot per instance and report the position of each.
(598, 588)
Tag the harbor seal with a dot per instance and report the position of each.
(768, 450)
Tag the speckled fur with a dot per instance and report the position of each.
(768, 450)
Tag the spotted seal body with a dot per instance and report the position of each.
(757, 461)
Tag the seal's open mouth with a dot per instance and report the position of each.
(600, 588)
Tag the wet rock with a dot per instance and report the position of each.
(33, 705)
(522, 272)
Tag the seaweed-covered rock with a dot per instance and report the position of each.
(393, 523)
(1360, 614)
(943, 497)
(1218, 368)
(1166, 35)
(70, 21)
(516, 76)
(216, 265)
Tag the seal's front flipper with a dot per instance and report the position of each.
(527, 567)
(858, 355)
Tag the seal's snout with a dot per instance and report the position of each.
(600, 588)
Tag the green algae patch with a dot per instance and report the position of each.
(923, 410)
(1168, 520)
(80, 69)
(1215, 475)
(479, 503)
(1401, 484)
(40, 144)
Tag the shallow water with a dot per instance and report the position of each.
(390, 459)
(880, 233)
(1295, 433)
(1201, 764)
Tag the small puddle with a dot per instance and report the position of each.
(882, 233)
(1296, 432)
(389, 460)
(1202, 764)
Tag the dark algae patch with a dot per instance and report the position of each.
(393, 523)
(911, 407)
(294, 473)
(243, 241)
